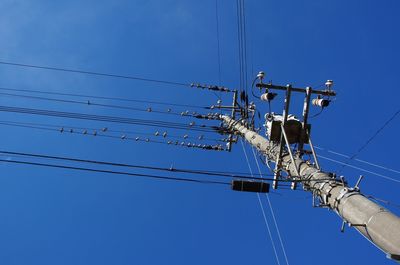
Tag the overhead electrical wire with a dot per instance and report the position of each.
(123, 137)
(86, 96)
(78, 71)
(91, 103)
(58, 128)
(262, 208)
(114, 172)
(272, 212)
(226, 174)
(359, 160)
(241, 175)
(370, 139)
(218, 42)
(360, 169)
(112, 119)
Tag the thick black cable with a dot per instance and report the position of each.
(73, 115)
(104, 163)
(115, 172)
(176, 170)
(94, 73)
(101, 97)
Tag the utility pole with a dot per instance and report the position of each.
(375, 223)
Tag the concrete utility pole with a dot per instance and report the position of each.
(287, 137)
(375, 223)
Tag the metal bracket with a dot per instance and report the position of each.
(293, 186)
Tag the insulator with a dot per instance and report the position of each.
(169, 142)
(88, 102)
(71, 130)
(219, 102)
(320, 102)
(199, 145)
(149, 109)
(85, 132)
(164, 134)
(182, 113)
(182, 143)
(189, 144)
(212, 107)
(94, 133)
(329, 84)
(168, 110)
(62, 130)
(123, 137)
(156, 133)
(268, 96)
(201, 137)
(191, 124)
(176, 142)
(261, 75)
(147, 140)
(104, 129)
(187, 112)
(185, 136)
(137, 139)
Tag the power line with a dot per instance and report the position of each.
(105, 163)
(262, 208)
(370, 139)
(123, 137)
(359, 160)
(113, 119)
(100, 97)
(218, 42)
(359, 168)
(91, 103)
(272, 212)
(114, 172)
(58, 128)
(94, 73)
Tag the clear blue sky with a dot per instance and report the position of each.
(52, 216)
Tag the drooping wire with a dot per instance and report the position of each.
(62, 69)
(272, 213)
(226, 174)
(359, 160)
(91, 103)
(113, 119)
(370, 139)
(114, 172)
(218, 41)
(58, 128)
(86, 96)
(359, 168)
(216, 147)
(262, 208)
